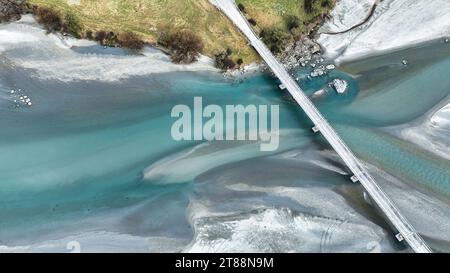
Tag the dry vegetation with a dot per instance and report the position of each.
(184, 46)
(131, 23)
(152, 19)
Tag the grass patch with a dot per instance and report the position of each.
(276, 14)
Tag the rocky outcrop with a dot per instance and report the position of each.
(11, 10)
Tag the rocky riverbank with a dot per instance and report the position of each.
(11, 10)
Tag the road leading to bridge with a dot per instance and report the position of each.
(384, 203)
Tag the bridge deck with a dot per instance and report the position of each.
(415, 241)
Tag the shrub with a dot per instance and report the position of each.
(52, 21)
(89, 35)
(327, 4)
(100, 36)
(72, 25)
(111, 39)
(229, 63)
(239, 61)
(49, 19)
(223, 60)
(163, 40)
(275, 39)
(241, 8)
(292, 22)
(309, 6)
(184, 46)
(252, 21)
(316, 7)
(131, 41)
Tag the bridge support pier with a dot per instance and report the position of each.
(315, 129)
(354, 179)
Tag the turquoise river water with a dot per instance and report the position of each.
(93, 161)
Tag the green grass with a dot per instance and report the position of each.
(269, 14)
(150, 18)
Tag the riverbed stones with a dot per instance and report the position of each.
(19, 98)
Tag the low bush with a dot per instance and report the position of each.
(163, 40)
(293, 22)
(223, 60)
(50, 19)
(327, 4)
(72, 25)
(131, 41)
(100, 36)
(309, 6)
(89, 35)
(111, 39)
(275, 39)
(241, 8)
(315, 6)
(52, 22)
(106, 38)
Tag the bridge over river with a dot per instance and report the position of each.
(404, 229)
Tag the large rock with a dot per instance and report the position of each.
(11, 10)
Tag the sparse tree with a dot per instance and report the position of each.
(184, 46)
